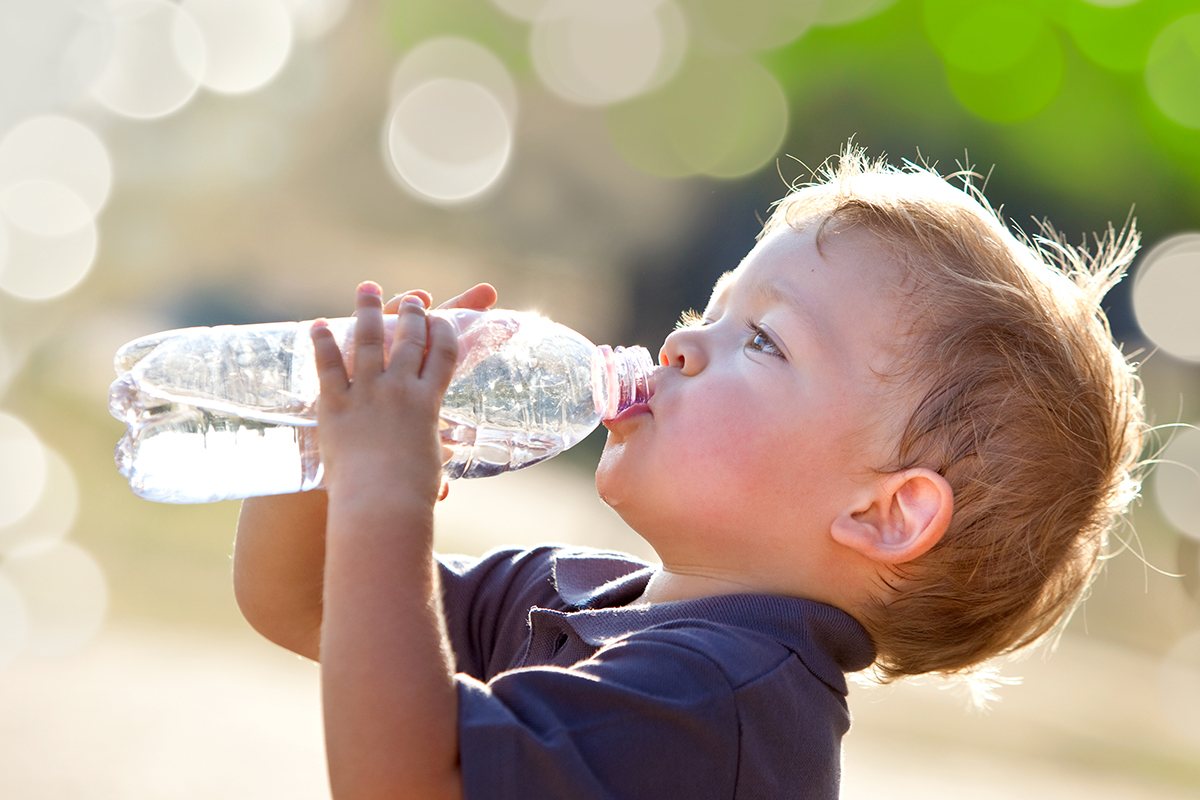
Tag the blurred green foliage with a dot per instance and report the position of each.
(1095, 103)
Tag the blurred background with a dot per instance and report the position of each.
(168, 164)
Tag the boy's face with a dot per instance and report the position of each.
(768, 414)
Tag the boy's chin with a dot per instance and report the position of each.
(609, 473)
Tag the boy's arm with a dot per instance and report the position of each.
(279, 552)
(389, 696)
(279, 565)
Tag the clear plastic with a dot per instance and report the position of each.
(229, 412)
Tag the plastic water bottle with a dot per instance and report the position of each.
(229, 412)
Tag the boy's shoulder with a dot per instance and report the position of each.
(590, 591)
(743, 633)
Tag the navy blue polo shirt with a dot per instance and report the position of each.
(565, 691)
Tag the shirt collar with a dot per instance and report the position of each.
(600, 585)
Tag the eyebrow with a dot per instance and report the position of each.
(767, 292)
(719, 288)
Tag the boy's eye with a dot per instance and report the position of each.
(762, 342)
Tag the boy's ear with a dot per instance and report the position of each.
(905, 515)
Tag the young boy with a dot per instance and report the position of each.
(898, 436)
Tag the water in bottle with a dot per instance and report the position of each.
(229, 412)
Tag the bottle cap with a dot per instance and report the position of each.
(625, 381)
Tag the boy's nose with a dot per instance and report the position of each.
(682, 350)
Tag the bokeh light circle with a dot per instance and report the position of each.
(527, 10)
(8, 360)
(844, 12)
(52, 517)
(1017, 94)
(157, 60)
(723, 116)
(1116, 37)
(1166, 295)
(1179, 686)
(5, 248)
(22, 469)
(751, 25)
(449, 139)
(675, 43)
(14, 622)
(55, 176)
(600, 53)
(41, 267)
(247, 42)
(453, 57)
(1176, 481)
(1173, 71)
(1008, 76)
(58, 149)
(312, 19)
(1012, 32)
(65, 595)
(50, 54)
(44, 208)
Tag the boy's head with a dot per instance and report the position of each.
(889, 352)
(1018, 397)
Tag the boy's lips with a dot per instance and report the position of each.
(636, 410)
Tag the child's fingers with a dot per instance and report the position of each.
(331, 371)
(481, 296)
(408, 343)
(368, 331)
(393, 306)
(442, 353)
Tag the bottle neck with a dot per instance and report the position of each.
(625, 379)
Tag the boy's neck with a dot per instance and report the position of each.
(668, 585)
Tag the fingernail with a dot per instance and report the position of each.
(320, 323)
(370, 287)
(413, 300)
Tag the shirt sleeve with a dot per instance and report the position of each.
(648, 716)
(486, 604)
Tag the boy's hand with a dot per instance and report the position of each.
(480, 297)
(388, 689)
(380, 430)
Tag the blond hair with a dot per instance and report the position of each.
(1024, 404)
